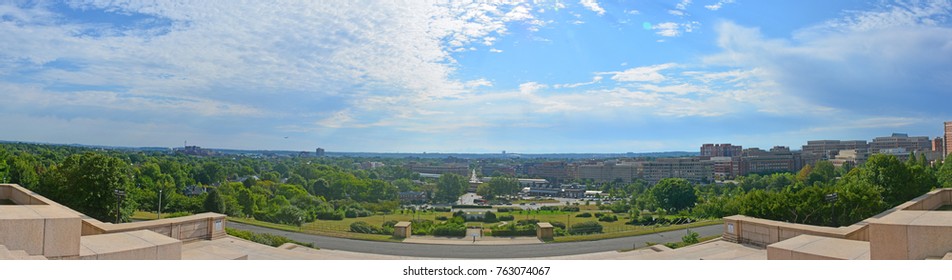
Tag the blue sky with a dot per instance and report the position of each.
(437, 76)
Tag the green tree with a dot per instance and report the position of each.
(944, 175)
(213, 202)
(504, 185)
(247, 201)
(450, 187)
(672, 193)
(87, 182)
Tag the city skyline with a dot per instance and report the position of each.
(537, 77)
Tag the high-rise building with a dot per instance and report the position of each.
(720, 150)
(938, 146)
(948, 143)
(827, 149)
(319, 152)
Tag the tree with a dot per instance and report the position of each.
(450, 187)
(504, 185)
(213, 202)
(944, 175)
(894, 178)
(673, 193)
(87, 182)
(247, 202)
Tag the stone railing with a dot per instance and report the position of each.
(762, 232)
(200, 226)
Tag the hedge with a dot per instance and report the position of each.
(586, 228)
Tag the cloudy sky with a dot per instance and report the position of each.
(437, 76)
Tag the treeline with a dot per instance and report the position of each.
(285, 190)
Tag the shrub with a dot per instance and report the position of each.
(389, 223)
(490, 217)
(506, 218)
(363, 227)
(585, 228)
(330, 215)
(584, 215)
(503, 209)
(599, 214)
(608, 218)
(549, 208)
(527, 222)
(264, 238)
(442, 218)
(442, 209)
(570, 209)
(449, 229)
(560, 225)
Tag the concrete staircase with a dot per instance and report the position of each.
(6, 254)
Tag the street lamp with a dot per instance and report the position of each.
(119, 195)
(160, 205)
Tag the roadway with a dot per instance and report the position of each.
(471, 251)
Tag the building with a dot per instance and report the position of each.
(195, 151)
(611, 170)
(319, 152)
(851, 157)
(778, 159)
(726, 167)
(368, 165)
(555, 171)
(948, 143)
(413, 197)
(720, 150)
(938, 146)
(827, 149)
(900, 140)
(458, 169)
(692, 169)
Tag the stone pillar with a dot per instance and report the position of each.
(402, 230)
(545, 231)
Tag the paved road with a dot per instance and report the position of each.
(482, 251)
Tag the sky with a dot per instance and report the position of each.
(472, 77)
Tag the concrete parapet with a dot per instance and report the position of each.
(809, 247)
(40, 230)
(762, 232)
(134, 245)
(911, 235)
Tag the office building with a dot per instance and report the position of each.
(720, 150)
(692, 169)
(900, 140)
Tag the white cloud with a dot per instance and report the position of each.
(593, 6)
(676, 12)
(595, 80)
(495, 50)
(718, 5)
(531, 87)
(641, 74)
(667, 29)
(683, 5)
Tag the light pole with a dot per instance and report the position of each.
(119, 195)
(832, 198)
(160, 204)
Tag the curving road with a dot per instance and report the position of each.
(482, 251)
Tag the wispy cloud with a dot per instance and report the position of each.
(593, 6)
(718, 5)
